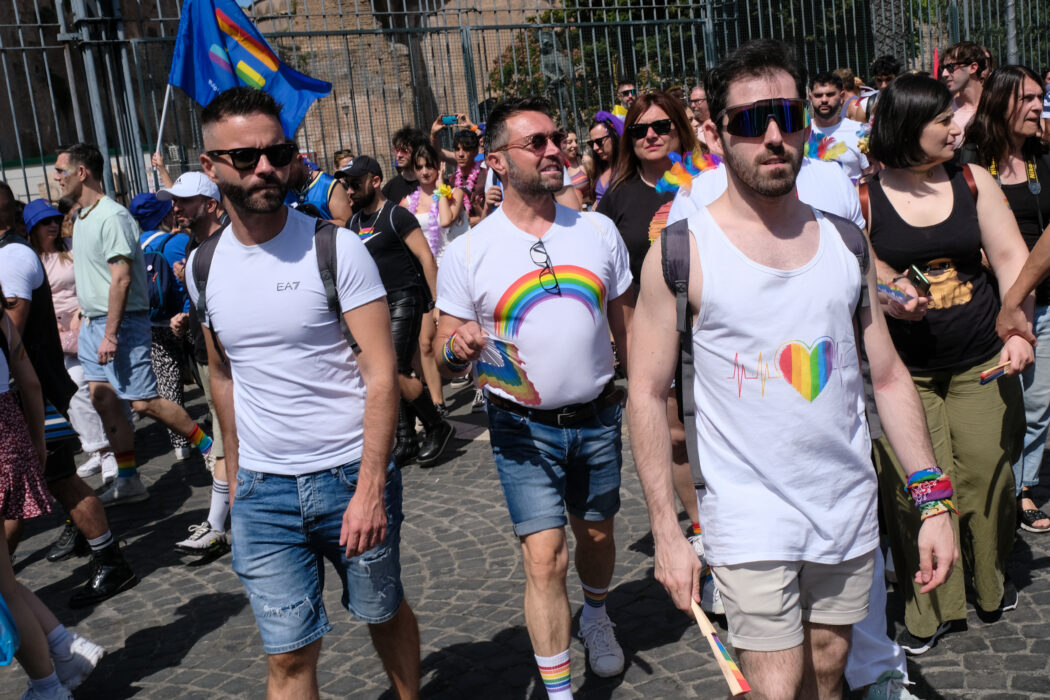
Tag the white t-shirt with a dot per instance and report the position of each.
(297, 392)
(547, 350)
(820, 184)
(20, 271)
(780, 422)
(846, 132)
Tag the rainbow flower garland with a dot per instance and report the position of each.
(683, 170)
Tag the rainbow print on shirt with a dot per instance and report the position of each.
(365, 233)
(500, 368)
(527, 293)
(807, 368)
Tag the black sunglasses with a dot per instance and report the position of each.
(625, 93)
(538, 142)
(752, 119)
(952, 67)
(540, 257)
(661, 127)
(279, 155)
(594, 142)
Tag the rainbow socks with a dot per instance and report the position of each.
(594, 603)
(126, 466)
(199, 440)
(556, 676)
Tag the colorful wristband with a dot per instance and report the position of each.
(931, 491)
(449, 356)
(445, 191)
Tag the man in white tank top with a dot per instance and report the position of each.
(789, 508)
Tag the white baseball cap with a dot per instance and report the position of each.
(190, 184)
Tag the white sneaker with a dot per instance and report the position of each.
(202, 539)
(604, 655)
(125, 490)
(84, 656)
(710, 598)
(61, 694)
(890, 686)
(183, 452)
(93, 465)
(109, 467)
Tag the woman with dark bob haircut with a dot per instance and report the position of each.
(929, 220)
(1004, 137)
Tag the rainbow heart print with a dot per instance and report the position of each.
(807, 368)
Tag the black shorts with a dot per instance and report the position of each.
(60, 464)
(406, 316)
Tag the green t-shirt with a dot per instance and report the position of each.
(102, 235)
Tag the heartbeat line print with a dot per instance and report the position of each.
(763, 372)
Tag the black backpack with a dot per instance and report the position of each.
(165, 297)
(324, 245)
(674, 248)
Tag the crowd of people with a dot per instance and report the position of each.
(859, 272)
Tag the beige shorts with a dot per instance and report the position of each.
(766, 602)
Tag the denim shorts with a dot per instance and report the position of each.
(545, 470)
(283, 528)
(130, 373)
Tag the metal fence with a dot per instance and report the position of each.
(96, 70)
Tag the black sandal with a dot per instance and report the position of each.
(1028, 518)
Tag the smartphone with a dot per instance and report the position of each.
(921, 281)
(449, 119)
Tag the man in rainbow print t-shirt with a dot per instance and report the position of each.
(528, 298)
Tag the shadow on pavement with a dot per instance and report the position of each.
(153, 649)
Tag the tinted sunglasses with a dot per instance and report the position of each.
(751, 120)
(279, 155)
(625, 93)
(594, 142)
(538, 142)
(661, 127)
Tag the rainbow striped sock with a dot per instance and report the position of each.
(126, 466)
(556, 676)
(594, 603)
(696, 529)
(199, 440)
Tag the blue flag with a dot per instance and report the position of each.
(218, 48)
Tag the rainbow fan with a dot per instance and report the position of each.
(683, 170)
(826, 148)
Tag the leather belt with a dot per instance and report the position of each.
(566, 416)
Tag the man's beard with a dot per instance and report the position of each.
(529, 183)
(750, 173)
(831, 110)
(257, 199)
(364, 201)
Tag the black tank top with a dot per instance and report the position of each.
(958, 330)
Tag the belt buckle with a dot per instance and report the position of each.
(567, 416)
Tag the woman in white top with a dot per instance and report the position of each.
(438, 207)
(442, 217)
(44, 224)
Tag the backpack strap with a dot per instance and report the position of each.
(970, 182)
(149, 240)
(324, 244)
(674, 249)
(864, 194)
(201, 267)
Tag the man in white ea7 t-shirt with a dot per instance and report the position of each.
(307, 422)
(528, 297)
(788, 511)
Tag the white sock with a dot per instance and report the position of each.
(556, 675)
(58, 642)
(101, 542)
(220, 505)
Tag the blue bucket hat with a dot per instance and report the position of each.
(39, 210)
(148, 210)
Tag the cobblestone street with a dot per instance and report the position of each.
(188, 632)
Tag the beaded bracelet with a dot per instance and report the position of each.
(931, 491)
(449, 356)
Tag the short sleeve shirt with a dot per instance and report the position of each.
(383, 233)
(640, 213)
(105, 233)
(298, 394)
(20, 271)
(846, 132)
(548, 345)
